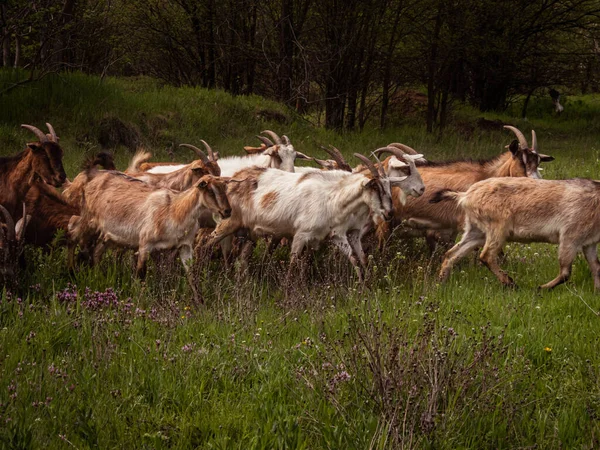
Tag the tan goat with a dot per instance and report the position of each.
(127, 212)
(563, 212)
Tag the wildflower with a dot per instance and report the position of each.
(188, 347)
(547, 349)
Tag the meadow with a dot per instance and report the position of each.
(98, 359)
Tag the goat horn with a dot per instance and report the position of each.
(266, 141)
(286, 140)
(53, 135)
(199, 152)
(404, 148)
(40, 135)
(338, 158)
(10, 224)
(274, 136)
(369, 164)
(396, 151)
(522, 141)
(379, 167)
(211, 154)
(534, 146)
(21, 232)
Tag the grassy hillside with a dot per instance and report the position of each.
(98, 359)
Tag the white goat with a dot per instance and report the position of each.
(309, 207)
(279, 155)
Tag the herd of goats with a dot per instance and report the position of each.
(231, 202)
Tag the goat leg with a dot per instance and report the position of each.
(566, 255)
(591, 255)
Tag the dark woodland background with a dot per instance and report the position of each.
(345, 59)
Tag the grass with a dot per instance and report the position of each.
(98, 359)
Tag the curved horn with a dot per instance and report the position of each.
(40, 135)
(396, 151)
(286, 140)
(211, 154)
(10, 224)
(199, 152)
(21, 232)
(266, 141)
(379, 166)
(54, 137)
(338, 158)
(404, 148)
(369, 164)
(522, 141)
(534, 146)
(274, 136)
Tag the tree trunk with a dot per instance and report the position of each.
(387, 71)
(286, 51)
(431, 71)
(17, 51)
(6, 50)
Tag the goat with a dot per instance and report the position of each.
(129, 213)
(279, 155)
(11, 238)
(180, 179)
(72, 193)
(309, 207)
(140, 164)
(41, 159)
(563, 212)
(51, 211)
(519, 161)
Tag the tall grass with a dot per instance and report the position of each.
(99, 359)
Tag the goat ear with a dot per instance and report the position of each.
(514, 147)
(271, 151)
(545, 158)
(35, 147)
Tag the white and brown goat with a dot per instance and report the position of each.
(279, 155)
(180, 179)
(128, 213)
(309, 207)
(563, 212)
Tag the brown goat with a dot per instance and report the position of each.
(73, 192)
(50, 212)
(129, 213)
(11, 236)
(563, 212)
(180, 179)
(519, 161)
(42, 159)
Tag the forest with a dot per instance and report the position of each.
(344, 62)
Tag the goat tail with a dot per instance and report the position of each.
(446, 194)
(141, 156)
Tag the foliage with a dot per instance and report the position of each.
(347, 61)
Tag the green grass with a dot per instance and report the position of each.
(402, 362)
